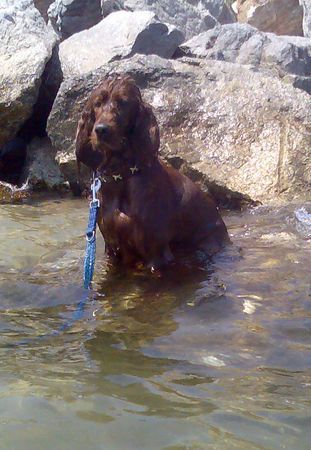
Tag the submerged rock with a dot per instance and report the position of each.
(10, 193)
(26, 45)
(241, 134)
(303, 221)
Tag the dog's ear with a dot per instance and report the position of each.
(145, 136)
(84, 150)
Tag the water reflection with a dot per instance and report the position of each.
(214, 358)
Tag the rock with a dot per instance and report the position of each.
(241, 134)
(26, 45)
(222, 42)
(277, 16)
(11, 194)
(43, 6)
(289, 57)
(303, 222)
(41, 171)
(120, 35)
(50, 81)
(234, 7)
(70, 101)
(306, 23)
(189, 16)
(72, 16)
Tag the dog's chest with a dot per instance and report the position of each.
(114, 221)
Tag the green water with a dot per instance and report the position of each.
(210, 359)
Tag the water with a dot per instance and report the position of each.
(208, 359)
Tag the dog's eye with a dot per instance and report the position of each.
(97, 104)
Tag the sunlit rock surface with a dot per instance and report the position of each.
(306, 23)
(288, 57)
(192, 17)
(236, 131)
(277, 16)
(26, 45)
(120, 35)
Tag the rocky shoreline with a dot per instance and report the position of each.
(230, 89)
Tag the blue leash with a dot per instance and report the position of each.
(90, 252)
(89, 263)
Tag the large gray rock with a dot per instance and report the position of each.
(286, 56)
(193, 17)
(25, 47)
(72, 16)
(306, 23)
(282, 17)
(118, 36)
(41, 170)
(236, 131)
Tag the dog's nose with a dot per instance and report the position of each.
(102, 129)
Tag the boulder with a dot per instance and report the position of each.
(26, 45)
(41, 170)
(306, 23)
(11, 194)
(277, 16)
(242, 134)
(289, 57)
(43, 6)
(72, 16)
(120, 35)
(193, 17)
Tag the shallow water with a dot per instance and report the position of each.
(209, 359)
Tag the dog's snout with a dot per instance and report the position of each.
(102, 129)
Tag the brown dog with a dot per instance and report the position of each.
(149, 211)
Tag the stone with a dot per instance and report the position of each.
(192, 17)
(12, 194)
(119, 35)
(222, 42)
(243, 135)
(288, 57)
(41, 170)
(283, 17)
(306, 23)
(72, 16)
(43, 6)
(26, 45)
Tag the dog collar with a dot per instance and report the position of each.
(117, 176)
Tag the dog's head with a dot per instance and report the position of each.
(116, 120)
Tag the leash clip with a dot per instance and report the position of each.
(95, 187)
(90, 236)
